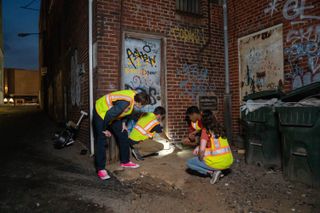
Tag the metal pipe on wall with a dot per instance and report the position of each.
(90, 2)
(227, 95)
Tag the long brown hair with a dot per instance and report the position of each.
(209, 121)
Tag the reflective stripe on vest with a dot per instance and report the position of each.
(150, 125)
(216, 143)
(104, 103)
(216, 149)
(143, 127)
(217, 152)
(111, 98)
(142, 131)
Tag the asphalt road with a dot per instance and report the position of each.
(34, 177)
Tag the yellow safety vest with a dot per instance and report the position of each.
(142, 129)
(195, 125)
(218, 154)
(104, 103)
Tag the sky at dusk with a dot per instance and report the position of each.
(20, 52)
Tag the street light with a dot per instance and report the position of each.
(27, 34)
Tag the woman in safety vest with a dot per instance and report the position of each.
(108, 114)
(214, 153)
(145, 128)
(193, 118)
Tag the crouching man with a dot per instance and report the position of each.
(146, 127)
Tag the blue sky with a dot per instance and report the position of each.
(20, 52)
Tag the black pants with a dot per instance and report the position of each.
(100, 141)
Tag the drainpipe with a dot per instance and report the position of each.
(227, 95)
(90, 2)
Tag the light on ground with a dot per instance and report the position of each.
(168, 148)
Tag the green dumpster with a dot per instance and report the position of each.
(261, 134)
(300, 136)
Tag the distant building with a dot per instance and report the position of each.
(21, 85)
(1, 56)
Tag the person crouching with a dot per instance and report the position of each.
(214, 153)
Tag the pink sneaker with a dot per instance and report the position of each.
(130, 165)
(103, 174)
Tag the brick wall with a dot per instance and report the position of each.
(193, 60)
(299, 30)
(187, 56)
(66, 32)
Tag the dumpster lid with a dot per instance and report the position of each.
(268, 94)
(302, 92)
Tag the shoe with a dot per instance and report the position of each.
(136, 154)
(103, 174)
(215, 176)
(130, 165)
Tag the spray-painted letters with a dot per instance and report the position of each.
(141, 60)
(193, 35)
(303, 43)
(196, 81)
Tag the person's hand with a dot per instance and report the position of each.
(124, 127)
(186, 141)
(107, 133)
(201, 155)
(192, 135)
(196, 151)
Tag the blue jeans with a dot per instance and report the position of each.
(199, 166)
(101, 140)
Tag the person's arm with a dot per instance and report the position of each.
(114, 112)
(203, 144)
(165, 136)
(159, 129)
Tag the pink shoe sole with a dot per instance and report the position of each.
(130, 165)
(105, 177)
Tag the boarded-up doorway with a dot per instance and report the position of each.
(142, 67)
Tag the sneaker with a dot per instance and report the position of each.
(136, 154)
(130, 165)
(103, 174)
(215, 176)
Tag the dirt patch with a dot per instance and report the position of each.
(157, 187)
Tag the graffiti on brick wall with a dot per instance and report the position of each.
(141, 68)
(75, 86)
(261, 61)
(303, 43)
(191, 35)
(291, 9)
(143, 84)
(135, 57)
(195, 80)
